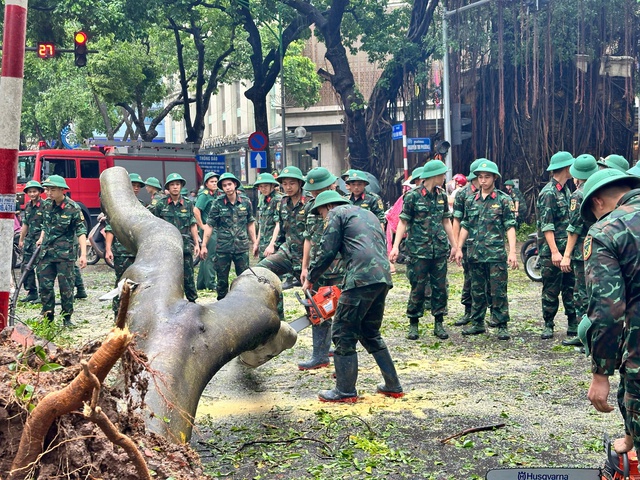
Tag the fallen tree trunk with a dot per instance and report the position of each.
(186, 343)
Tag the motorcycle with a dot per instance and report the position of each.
(96, 247)
(530, 258)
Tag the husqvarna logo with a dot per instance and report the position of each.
(541, 476)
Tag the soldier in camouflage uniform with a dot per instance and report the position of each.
(153, 188)
(427, 220)
(267, 212)
(519, 202)
(611, 253)
(357, 235)
(206, 273)
(488, 218)
(584, 166)
(29, 235)
(62, 226)
(178, 211)
(358, 182)
(553, 219)
(231, 218)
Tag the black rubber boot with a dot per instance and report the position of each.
(572, 342)
(346, 376)
(438, 328)
(321, 337)
(66, 321)
(81, 292)
(413, 329)
(572, 326)
(474, 329)
(466, 318)
(48, 318)
(391, 386)
(32, 296)
(547, 331)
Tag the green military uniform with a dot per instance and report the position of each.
(369, 201)
(267, 214)
(577, 226)
(33, 217)
(206, 271)
(155, 198)
(518, 197)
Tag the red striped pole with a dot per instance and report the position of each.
(404, 151)
(13, 43)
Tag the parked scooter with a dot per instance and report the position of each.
(530, 258)
(96, 247)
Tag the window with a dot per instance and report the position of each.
(59, 166)
(89, 168)
(26, 168)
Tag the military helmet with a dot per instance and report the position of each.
(600, 179)
(173, 177)
(487, 166)
(346, 174)
(55, 181)
(265, 179)
(33, 184)
(184, 191)
(210, 175)
(415, 174)
(560, 160)
(509, 183)
(327, 197)
(290, 172)
(433, 168)
(319, 178)
(616, 161)
(229, 176)
(473, 166)
(153, 182)
(136, 178)
(584, 166)
(634, 170)
(357, 176)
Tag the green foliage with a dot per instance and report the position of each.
(302, 83)
(524, 231)
(34, 358)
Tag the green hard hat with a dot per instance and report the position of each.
(616, 161)
(266, 178)
(153, 182)
(32, 184)
(172, 177)
(210, 175)
(487, 166)
(634, 170)
(136, 178)
(229, 176)
(346, 174)
(433, 168)
(510, 183)
(290, 172)
(600, 179)
(184, 191)
(415, 175)
(560, 160)
(319, 178)
(473, 166)
(584, 166)
(327, 197)
(357, 176)
(55, 181)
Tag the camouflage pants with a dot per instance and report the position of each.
(222, 265)
(281, 263)
(120, 264)
(77, 276)
(189, 281)
(206, 271)
(489, 277)
(423, 273)
(466, 286)
(632, 406)
(29, 282)
(358, 318)
(48, 270)
(580, 299)
(555, 283)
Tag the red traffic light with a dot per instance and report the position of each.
(80, 38)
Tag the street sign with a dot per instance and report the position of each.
(418, 145)
(212, 163)
(396, 134)
(258, 159)
(258, 141)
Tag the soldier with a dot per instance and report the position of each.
(178, 211)
(615, 161)
(62, 224)
(553, 220)
(519, 202)
(29, 234)
(430, 242)
(357, 182)
(584, 166)
(357, 235)
(153, 188)
(231, 218)
(611, 252)
(488, 218)
(267, 212)
(206, 273)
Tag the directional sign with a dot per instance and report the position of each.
(258, 159)
(258, 141)
(396, 134)
(212, 163)
(418, 145)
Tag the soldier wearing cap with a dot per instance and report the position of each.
(519, 202)
(357, 182)
(154, 189)
(63, 228)
(553, 206)
(231, 218)
(614, 161)
(29, 234)
(267, 212)
(206, 273)
(178, 211)
(427, 220)
(357, 235)
(488, 219)
(611, 253)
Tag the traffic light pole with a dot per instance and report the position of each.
(15, 28)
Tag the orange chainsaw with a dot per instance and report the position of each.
(320, 306)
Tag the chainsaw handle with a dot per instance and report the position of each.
(314, 305)
(614, 458)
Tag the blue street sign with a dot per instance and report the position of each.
(278, 156)
(212, 163)
(418, 145)
(396, 134)
(257, 141)
(258, 159)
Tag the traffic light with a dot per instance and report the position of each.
(80, 48)
(312, 152)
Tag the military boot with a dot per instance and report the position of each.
(438, 328)
(66, 321)
(47, 318)
(81, 292)
(475, 328)
(466, 318)
(503, 333)
(547, 331)
(321, 337)
(32, 296)
(413, 329)
(391, 386)
(572, 326)
(346, 376)
(493, 323)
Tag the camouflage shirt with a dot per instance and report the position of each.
(369, 201)
(155, 198)
(517, 196)
(313, 233)
(62, 224)
(487, 221)
(553, 215)
(178, 214)
(357, 235)
(460, 201)
(204, 201)
(612, 270)
(230, 221)
(293, 221)
(424, 212)
(267, 218)
(577, 223)
(33, 217)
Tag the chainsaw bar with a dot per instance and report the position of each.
(300, 323)
(544, 474)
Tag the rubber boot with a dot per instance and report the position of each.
(466, 318)
(503, 333)
(66, 321)
(81, 292)
(321, 337)
(346, 376)
(547, 331)
(438, 328)
(48, 318)
(572, 342)
(572, 326)
(413, 329)
(474, 329)
(391, 386)
(32, 296)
